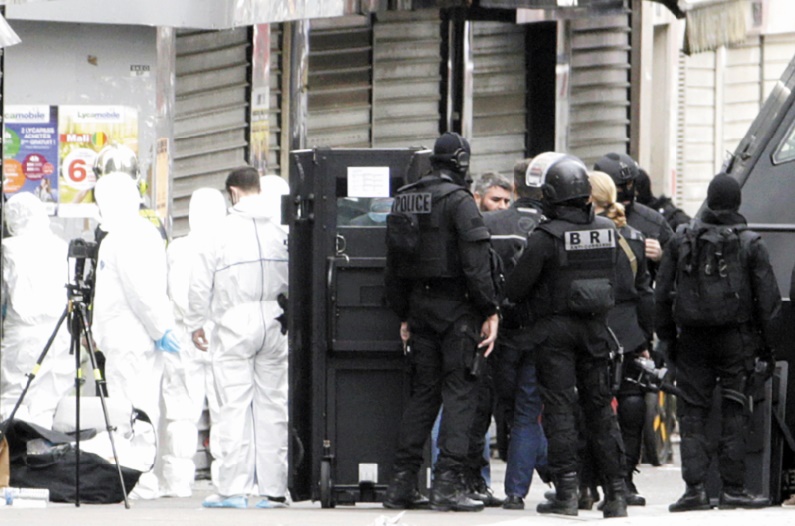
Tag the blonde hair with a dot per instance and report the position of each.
(603, 195)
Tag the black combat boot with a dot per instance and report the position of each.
(448, 493)
(695, 498)
(615, 501)
(477, 489)
(402, 493)
(565, 502)
(733, 497)
(632, 495)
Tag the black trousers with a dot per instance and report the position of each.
(573, 369)
(631, 413)
(441, 355)
(484, 409)
(708, 357)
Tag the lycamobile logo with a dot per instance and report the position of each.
(26, 116)
(98, 115)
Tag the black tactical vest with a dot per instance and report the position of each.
(582, 280)
(420, 233)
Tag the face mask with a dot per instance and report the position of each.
(377, 217)
(625, 196)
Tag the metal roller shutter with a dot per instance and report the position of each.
(499, 117)
(339, 85)
(406, 90)
(599, 97)
(210, 114)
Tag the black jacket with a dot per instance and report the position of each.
(632, 319)
(464, 236)
(533, 279)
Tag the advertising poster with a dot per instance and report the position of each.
(30, 153)
(83, 131)
(259, 139)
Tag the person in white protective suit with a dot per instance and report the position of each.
(133, 321)
(188, 378)
(236, 283)
(35, 274)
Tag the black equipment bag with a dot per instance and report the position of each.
(55, 468)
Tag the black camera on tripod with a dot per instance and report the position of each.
(81, 249)
(82, 286)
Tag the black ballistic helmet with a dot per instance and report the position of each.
(620, 166)
(565, 180)
(451, 151)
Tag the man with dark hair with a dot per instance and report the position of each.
(513, 364)
(439, 282)
(717, 300)
(565, 277)
(492, 192)
(663, 204)
(237, 283)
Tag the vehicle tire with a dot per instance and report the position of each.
(326, 485)
(660, 423)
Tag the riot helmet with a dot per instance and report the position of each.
(624, 171)
(561, 177)
(116, 157)
(451, 152)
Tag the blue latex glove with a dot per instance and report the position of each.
(169, 342)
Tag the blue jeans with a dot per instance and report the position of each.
(485, 472)
(528, 445)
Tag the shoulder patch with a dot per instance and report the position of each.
(589, 239)
(413, 203)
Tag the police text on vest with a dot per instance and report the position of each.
(590, 239)
(413, 203)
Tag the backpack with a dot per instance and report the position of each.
(712, 283)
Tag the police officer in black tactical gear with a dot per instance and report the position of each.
(716, 302)
(674, 215)
(439, 282)
(566, 275)
(513, 362)
(624, 171)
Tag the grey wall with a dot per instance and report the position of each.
(60, 63)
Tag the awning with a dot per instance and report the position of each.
(199, 14)
(715, 23)
(674, 6)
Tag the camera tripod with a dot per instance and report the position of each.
(76, 312)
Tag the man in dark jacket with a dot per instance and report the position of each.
(439, 282)
(513, 363)
(566, 277)
(716, 302)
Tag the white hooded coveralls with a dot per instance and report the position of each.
(235, 284)
(188, 378)
(131, 305)
(35, 274)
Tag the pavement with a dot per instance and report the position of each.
(660, 485)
